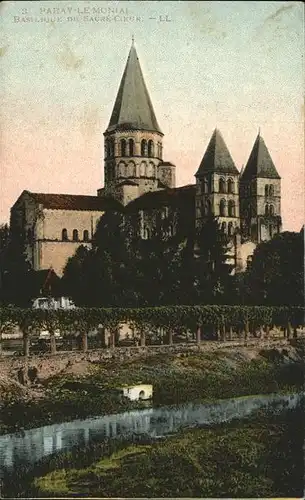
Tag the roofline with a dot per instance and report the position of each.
(31, 194)
(23, 192)
(216, 171)
(258, 177)
(119, 129)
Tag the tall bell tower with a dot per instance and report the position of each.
(260, 195)
(217, 188)
(133, 148)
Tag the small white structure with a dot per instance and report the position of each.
(53, 303)
(137, 392)
(45, 334)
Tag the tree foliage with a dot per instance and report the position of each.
(276, 274)
(211, 267)
(125, 270)
(16, 272)
(168, 317)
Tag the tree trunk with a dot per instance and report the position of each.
(289, 330)
(101, 335)
(247, 329)
(26, 344)
(0, 343)
(230, 333)
(198, 335)
(112, 339)
(267, 330)
(117, 336)
(53, 343)
(85, 341)
(223, 332)
(170, 337)
(142, 339)
(295, 333)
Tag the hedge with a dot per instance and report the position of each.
(169, 318)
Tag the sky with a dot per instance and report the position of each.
(235, 65)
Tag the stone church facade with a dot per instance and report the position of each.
(142, 184)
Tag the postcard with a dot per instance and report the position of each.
(152, 249)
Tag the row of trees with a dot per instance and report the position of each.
(122, 270)
(205, 322)
(126, 271)
(187, 268)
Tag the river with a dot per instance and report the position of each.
(32, 445)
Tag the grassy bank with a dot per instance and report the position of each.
(258, 457)
(176, 378)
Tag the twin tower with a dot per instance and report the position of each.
(247, 203)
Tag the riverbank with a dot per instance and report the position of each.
(85, 388)
(258, 456)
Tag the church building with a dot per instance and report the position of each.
(139, 181)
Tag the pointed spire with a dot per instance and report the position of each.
(133, 108)
(260, 163)
(217, 157)
(132, 40)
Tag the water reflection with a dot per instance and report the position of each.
(35, 444)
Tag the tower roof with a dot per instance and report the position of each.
(133, 108)
(217, 157)
(260, 163)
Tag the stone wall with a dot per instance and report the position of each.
(56, 220)
(55, 252)
(78, 362)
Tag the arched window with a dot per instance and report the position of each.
(132, 169)
(75, 235)
(143, 148)
(150, 171)
(131, 147)
(271, 210)
(64, 235)
(266, 209)
(143, 167)
(208, 207)
(146, 233)
(222, 186)
(86, 235)
(231, 206)
(205, 185)
(123, 147)
(230, 186)
(267, 190)
(164, 213)
(121, 169)
(271, 190)
(230, 229)
(150, 148)
(223, 227)
(222, 208)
